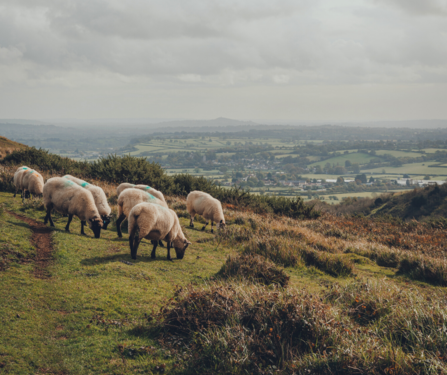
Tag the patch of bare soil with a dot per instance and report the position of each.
(41, 240)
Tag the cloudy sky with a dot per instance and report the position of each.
(297, 60)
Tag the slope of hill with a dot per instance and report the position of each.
(7, 146)
(423, 203)
(271, 294)
(426, 204)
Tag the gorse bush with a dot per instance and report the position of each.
(136, 170)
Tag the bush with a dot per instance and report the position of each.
(254, 268)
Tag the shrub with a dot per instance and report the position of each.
(254, 268)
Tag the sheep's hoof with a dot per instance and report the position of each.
(212, 230)
(67, 230)
(83, 234)
(203, 229)
(120, 235)
(152, 256)
(191, 225)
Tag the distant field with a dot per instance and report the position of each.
(399, 154)
(357, 157)
(433, 150)
(412, 169)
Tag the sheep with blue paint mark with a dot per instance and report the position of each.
(156, 223)
(32, 183)
(122, 187)
(146, 188)
(128, 199)
(198, 202)
(98, 195)
(68, 198)
(18, 175)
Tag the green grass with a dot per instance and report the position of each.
(53, 333)
(89, 316)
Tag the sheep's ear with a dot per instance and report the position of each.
(187, 242)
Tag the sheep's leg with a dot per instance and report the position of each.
(118, 225)
(169, 250)
(191, 220)
(155, 243)
(212, 231)
(160, 244)
(134, 249)
(205, 225)
(82, 227)
(67, 227)
(15, 193)
(48, 217)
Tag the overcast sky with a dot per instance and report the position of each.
(298, 60)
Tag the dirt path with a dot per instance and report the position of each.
(41, 240)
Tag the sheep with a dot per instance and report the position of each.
(155, 222)
(128, 199)
(148, 189)
(98, 195)
(70, 199)
(122, 187)
(198, 202)
(18, 175)
(32, 183)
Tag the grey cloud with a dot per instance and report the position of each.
(232, 42)
(419, 7)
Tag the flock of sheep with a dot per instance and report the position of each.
(145, 208)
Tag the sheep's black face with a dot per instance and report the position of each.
(105, 221)
(180, 251)
(95, 226)
(221, 225)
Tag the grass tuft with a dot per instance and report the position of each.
(253, 268)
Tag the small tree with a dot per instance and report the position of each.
(426, 178)
(347, 163)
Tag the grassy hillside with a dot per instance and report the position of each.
(7, 146)
(358, 296)
(426, 204)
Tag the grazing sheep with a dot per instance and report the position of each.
(155, 222)
(18, 175)
(128, 199)
(148, 189)
(98, 195)
(70, 199)
(204, 204)
(32, 183)
(122, 187)
(151, 190)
